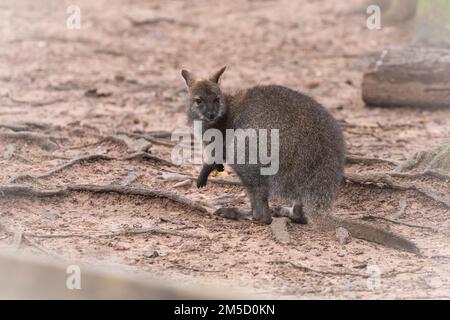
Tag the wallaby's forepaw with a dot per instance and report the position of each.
(201, 181)
(219, 167)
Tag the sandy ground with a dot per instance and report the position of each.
(121, 73)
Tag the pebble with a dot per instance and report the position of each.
(343, 236)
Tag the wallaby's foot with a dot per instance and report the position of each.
(262, 215)
(281, 211)
(266, 218)
(233, 213)
(297, 214)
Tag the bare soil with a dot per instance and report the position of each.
(121, 73)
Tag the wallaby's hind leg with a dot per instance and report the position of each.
(259, 199)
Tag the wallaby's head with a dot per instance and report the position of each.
(206, 100)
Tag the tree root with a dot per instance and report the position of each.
(371, 217)
(158, 138)
(92, 157)
(355, 159)
(42, 140)
(385, 180)
(24, 191)
(27, 126)
(389, 274)
(134, 145)
(38, 103)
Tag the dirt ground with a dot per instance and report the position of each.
(64, 92)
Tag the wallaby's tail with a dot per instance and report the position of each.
(366, 232)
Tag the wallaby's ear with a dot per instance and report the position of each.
(215, 78)
(188, 77)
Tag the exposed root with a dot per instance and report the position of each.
(24, 191)
(324, 272)
(371, 217)
(147, 156)
(27, 126)
(157, 20)
(385, 180)
(401, 209)
(42, 140)
(38, 103)
(134, 145)
(157, 137)
(122, 232)
(390, 274)
(173, 176)
(91, 157)
(363, 160)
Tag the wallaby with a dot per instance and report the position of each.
(311, 153)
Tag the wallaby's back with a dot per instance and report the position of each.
(311, 143)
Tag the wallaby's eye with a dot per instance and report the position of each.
(216, 100)
(197, 101)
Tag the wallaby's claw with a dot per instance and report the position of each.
(219, 167)
(201, 182)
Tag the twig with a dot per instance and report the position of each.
(38, 103)
(131, 144)
(72, 162)
(389, 274)
(173, 176)
(156, 20)
(149, 230)
(27, 126)
(372, 217)
(155, 138)
(308, 269)
(123, 232)
(148, 156)
(40, 247)
(401, 209)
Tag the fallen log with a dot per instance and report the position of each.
(412, 76)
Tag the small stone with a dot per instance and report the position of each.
(343, 236)
(185, 183)
(50, 215)
(151, 254)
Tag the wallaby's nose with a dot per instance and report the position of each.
(210, 115)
